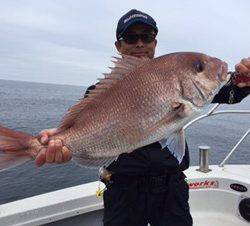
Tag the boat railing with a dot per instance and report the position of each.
(212, 112)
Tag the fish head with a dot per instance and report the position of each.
(200, 77)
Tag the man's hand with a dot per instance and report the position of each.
(55, 152)
(243, 73)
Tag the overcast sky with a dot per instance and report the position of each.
(71, 41)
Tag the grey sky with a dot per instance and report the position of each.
(71, 42)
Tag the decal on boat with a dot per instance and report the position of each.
(203, 184)
(238, 187)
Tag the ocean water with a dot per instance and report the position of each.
(31, 107)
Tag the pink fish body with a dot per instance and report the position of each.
(140, 102)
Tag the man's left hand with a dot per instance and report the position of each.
(243, 71)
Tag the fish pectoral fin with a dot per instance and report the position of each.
(178, 110)
(176, 144)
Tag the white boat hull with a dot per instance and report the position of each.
(212, 201)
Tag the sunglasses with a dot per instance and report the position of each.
(133, 38)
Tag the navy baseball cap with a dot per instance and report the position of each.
(133, 17)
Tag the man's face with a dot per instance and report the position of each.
(140, 48)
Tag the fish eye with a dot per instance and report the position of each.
(199, 66)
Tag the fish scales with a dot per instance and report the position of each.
(120, 112)
(140, 102)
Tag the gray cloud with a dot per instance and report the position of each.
(71, 42)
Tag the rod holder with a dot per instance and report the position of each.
(203, 159)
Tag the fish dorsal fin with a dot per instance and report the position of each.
(123, 66)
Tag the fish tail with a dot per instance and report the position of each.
(15, 148)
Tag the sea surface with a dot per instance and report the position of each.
(31, 107)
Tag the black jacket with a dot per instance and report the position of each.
(152, 159)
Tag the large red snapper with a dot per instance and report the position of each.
(140, 102)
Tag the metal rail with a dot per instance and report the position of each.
(234, 148)
(212, 112)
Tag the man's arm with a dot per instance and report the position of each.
(235, 91)
(231, 94)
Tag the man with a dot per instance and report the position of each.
(147, 185)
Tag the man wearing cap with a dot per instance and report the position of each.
(147, 185)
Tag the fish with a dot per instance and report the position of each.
(141, 101)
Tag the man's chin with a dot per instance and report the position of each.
(140, 54)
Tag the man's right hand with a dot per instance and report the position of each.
(55, 152)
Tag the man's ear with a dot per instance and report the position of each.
(155, 42)
(118, 46)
